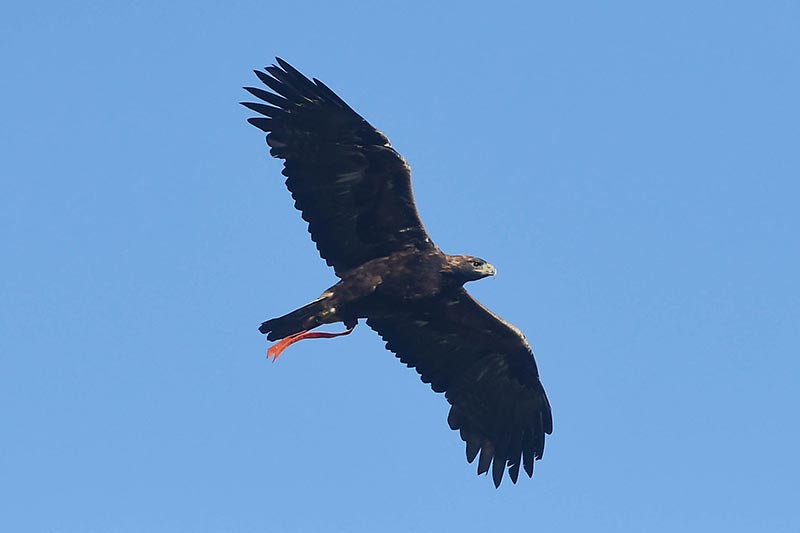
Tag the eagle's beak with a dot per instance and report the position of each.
(488, 270)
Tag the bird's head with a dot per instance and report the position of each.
(466, 268)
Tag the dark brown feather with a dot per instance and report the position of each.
(487, 372)
(353, 189)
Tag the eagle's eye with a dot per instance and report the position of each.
(477, 263)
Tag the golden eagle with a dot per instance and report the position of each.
(354, 190)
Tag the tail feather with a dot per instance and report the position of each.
(303, 319)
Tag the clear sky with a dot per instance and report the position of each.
(631, 168)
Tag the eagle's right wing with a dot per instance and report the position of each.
(352, 187)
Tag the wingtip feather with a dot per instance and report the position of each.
(473, 447)
(498, 469)
(264, 124)
(485, 459)
(513, 472)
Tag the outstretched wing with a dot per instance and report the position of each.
(352, 187)
(486, 369)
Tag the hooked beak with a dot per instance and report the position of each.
(488, 270)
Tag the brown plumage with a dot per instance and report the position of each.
(354, 190)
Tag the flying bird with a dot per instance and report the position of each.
(354, 190)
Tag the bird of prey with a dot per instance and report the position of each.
(354, 190)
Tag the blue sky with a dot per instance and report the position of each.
(630, 168)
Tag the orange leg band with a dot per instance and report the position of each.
(276, 349)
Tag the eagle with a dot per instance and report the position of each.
(354, 191)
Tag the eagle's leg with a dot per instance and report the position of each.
(276, 349)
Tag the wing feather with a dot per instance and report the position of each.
(487, 371)
(352, 187)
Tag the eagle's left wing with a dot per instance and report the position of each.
(487, 371)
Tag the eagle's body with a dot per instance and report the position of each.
(354, 190)
(380, 286)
